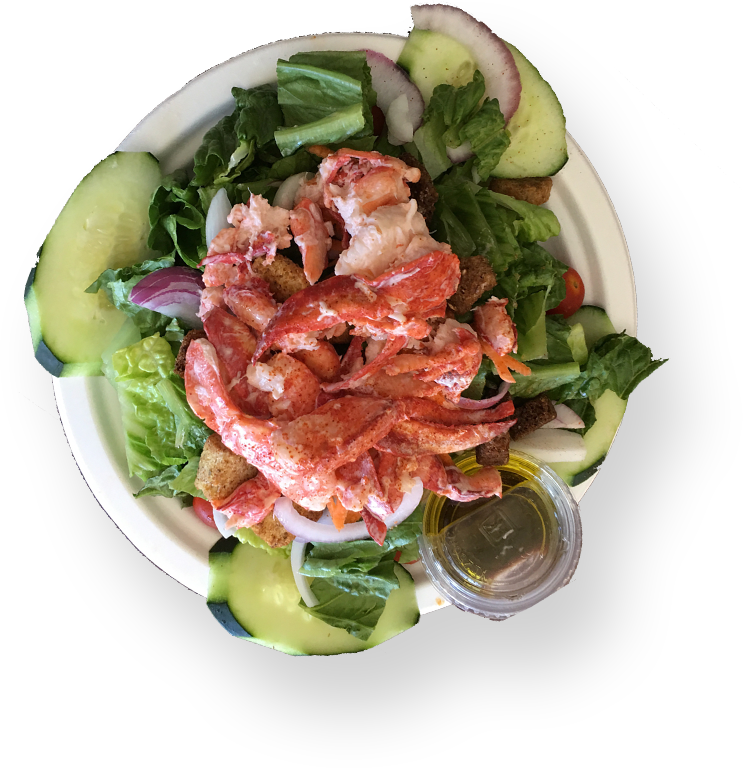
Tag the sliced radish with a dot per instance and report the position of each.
(397, 97)
(494, 60)
(552, 445)
(566, 418)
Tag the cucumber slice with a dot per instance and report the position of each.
(253, 596)
(431, 59)
(103, 225)
(595, 322)
(609, 412)
(538, 143)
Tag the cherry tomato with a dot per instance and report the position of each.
(575, 291)
(204, 511)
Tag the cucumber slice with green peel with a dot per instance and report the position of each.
(609, 412)
(254, 596)
(103, 225)
(595, 322)
(431, 58)
(538, 141)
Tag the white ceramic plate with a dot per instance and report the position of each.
(173, 538)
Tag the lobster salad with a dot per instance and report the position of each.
(343, 292)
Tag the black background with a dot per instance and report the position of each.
(640, 100)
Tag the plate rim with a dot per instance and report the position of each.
(73, 396)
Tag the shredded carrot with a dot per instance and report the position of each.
(338, 513)
(503, 363)
(517, 365)
(501, 368)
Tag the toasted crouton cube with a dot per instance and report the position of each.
(494, 453)
(477, 277)
(283, 276)
(274, 533)
(221, 471)
(532, 415)
(534, 190)
(180, 361)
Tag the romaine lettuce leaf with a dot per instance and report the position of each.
(156, 436)
(454, 116)
(618, 362)
(177, 220)
(231, 145)
(352, 580)
(533, 222)
(326, 97)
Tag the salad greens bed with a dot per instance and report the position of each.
(327, 98)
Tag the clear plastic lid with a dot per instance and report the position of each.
(496, 557)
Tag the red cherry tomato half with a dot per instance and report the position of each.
(204, 511)
(575, 292)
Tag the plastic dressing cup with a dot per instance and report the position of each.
(496, 557)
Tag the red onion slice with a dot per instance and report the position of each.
(476, 405)
(173, 292)
(308, 530)
(216, 216)
(220, 520)
(302, 582)
(494, 60)
(461, 153)
(287, 192)
(397, 96)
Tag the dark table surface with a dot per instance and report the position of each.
(71, 95)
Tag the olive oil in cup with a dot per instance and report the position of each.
(497, 557)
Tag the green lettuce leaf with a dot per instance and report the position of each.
(177, 220)
(532, 223)
(545, 376)
(534, 271)
(230, 147)
(352, 580)
(618, 362)
(326, 97)
(156, 436)
(454, 116)
(358, 615)
(117, 285)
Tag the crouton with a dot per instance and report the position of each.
(494, 453)
(274, 533)
(221, 471)
(180, 360)
(422, 191)
(477, 277)
(283, 276)
(532, 415)
(534, 190)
